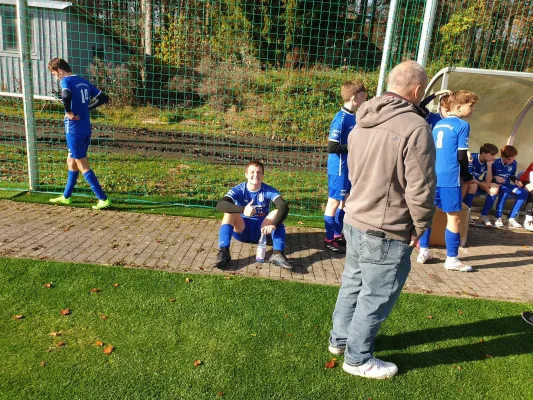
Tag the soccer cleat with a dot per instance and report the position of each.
(373, 368)
(281, 261)
(499, 223)
(102, 204)
(340, 240)
(458, 266)
(528, 317)
(337, 351)
(61, 200)
(223, 258)
(486, 220)
(334, 246)
(513, 223)
(423, 256)
(471, 221)
(528, 225)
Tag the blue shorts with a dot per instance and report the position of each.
(338, 187)
(78, 146)
(251, 232)
(449, 199)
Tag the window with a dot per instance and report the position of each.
(8, 31)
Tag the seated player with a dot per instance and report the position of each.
(504, 173)
(527, 183)
(247, 215)
(480, 166)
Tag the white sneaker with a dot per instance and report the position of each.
(373, 368)
(458, 266)
(336, 350)
(486, 220)
(528, 225)
(423, 256)
(513, 223)
(499, 223)
(471, 221)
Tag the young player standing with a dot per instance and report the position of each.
(79, 97)
(353, 94)
(451, 142)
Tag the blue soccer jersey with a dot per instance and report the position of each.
(81, 91)
(450, 135)
(504, 170)
(241, 196)
(432, 119)
(476, 168)
(341, 126)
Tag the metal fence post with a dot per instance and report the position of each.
(427, 29)
(387, 46)
(23, 30)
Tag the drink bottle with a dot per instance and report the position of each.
(261, 248)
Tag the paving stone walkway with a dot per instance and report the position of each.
(503, 258)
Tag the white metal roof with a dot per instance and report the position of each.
(57, 5)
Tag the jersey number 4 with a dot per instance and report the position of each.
(84, 95)
(440, 135)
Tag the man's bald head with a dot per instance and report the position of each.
(409, 80)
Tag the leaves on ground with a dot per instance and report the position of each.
(109, 350)
(48, 285)
(18, 316)
(188, 280)
(99, 343)
(66, 311)
(429, 317)
(60, 344)
(55, 334)
(172, 300)
(197, 363)
(43, 363)
(331, 364)
(95, 290)
(116, 285)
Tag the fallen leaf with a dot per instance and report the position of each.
(172, 300)
(481, 341)
(253, 335)
(99, 343)
(460, 312)
(18, 316)
(115, 284)
(488, 356)
(43, 363)
(48, 285)
(289, 334)
(330, 364)
(300, 222)
(197, 363)
(95, 290)
(227, 278)
(429, 317)
(55, 334)
(66, 311)
(220, 394)
(103, 317)
(187, 280)
(61, 344)
(202, 268)
(109, 349)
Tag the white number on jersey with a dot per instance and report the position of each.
(84, 95)
(440, 135)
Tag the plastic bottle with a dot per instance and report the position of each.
(261, 248)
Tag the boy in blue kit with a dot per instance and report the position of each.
(79, 97)
(247, 215)
(504, 173)
(451, 142)
(353, 94)
(480, 166)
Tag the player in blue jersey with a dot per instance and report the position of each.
(247, 215)
(480, 167)
(451, 142)
(442, 112)
(353, 94)
(79, 97)
(504, 173)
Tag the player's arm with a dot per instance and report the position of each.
(334, 138)
(488, 174)
(226, 205)
(283, 210)
(337, 148)
(98, 100)
(462, 153)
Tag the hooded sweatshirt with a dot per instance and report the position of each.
(391, 164)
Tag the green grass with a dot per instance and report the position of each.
(256, 339)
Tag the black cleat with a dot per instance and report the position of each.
(281, 261)
(223, 258)
(333, 246)
(340, 240)
(528, 317)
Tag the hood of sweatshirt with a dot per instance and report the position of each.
(380, 109)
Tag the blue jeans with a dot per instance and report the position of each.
(375, 272)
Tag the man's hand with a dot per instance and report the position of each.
(529, 186)
(499, 179)
(249, 210)
(444, 91)
(72, 116)
(267, 229)
(493, 190)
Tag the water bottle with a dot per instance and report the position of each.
(261, 248)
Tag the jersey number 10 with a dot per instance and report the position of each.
(84, 95)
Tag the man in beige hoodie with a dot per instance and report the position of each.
(391, 164)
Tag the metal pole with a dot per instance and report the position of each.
(427, 29)
(23, 30)
(387, 46)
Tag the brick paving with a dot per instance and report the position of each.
(503, 258)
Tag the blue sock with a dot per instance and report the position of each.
(424, 239)
(278, 238)
(453, 240)
(522, 196)
(92, 180)
(224, 235)
(339, 222)
(71, 182)
(489, 202)
(469, 199)
(329, 222)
